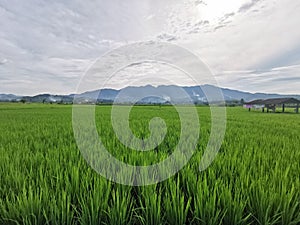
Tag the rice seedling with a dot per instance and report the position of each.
(45, 180)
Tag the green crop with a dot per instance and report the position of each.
(45, 180)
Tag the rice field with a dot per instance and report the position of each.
(255, 178)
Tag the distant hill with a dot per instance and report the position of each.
(170, 92)
(48, 98)
(160, 94)
(9, 97)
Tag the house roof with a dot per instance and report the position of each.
(255, 102)
(274, 101)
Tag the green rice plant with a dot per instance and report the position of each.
(92, 205)
(150, 211)
(176, 205)
(120, 209)
(45, 180)
(207, 208)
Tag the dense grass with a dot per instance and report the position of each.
(44, 180)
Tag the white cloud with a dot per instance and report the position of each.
(47, 45)
(276, 80)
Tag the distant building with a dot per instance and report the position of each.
(272, 103)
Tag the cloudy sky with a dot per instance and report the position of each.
(250, 45)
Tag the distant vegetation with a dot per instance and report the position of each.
(44, 179)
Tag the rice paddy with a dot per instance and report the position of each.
(255, 178)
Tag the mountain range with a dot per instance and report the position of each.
(145, 95)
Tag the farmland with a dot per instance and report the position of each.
(45, 180)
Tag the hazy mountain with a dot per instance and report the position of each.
(147, 94)
(46, 98)
(165, 93)
(9, 97)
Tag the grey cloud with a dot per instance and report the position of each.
(199, 2)
(167, 37)
(226, 17)
(219, 27)
(224, 21)
(248, 6)
(198, 27)
(3, 61)
(270, 81)
(288, 79)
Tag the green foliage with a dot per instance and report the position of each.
(45, 180)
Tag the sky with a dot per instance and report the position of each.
(249, 45)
